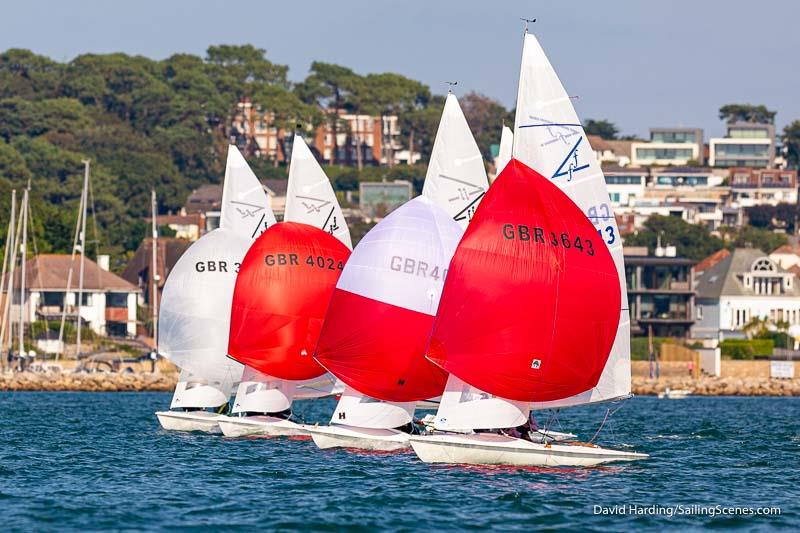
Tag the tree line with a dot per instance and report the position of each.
(165, 124)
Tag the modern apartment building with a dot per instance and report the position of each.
(747, 144)
(669, 146)
(660, 292)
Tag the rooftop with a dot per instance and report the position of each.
(50, 272)
(723, 279)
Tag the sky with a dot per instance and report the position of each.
(638, 63)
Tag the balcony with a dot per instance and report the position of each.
(116, 314)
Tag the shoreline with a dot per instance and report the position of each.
(166, 381)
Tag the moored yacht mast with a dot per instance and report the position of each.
(84, 196)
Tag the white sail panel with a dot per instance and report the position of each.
(464, 408)
(549, 138)
(355, 409)
(310, 198)
(194, 318)
(403, 260)
(456, 178)
(245, 208)
(506, 144)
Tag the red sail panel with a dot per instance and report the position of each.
(531, 304)
(281, 296)
(381, 366)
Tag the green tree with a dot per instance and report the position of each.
(419, 126)
(392, 94)
(691, 240)
(485, 117)
(746, 113)
(602, 128)
(791, 143)
(331, 87)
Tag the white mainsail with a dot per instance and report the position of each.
(504, 155)
(456, 178)
(549, 138)
(310, 199)
(196, 300)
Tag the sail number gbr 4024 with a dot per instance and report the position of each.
(315, 261)
(541, 236)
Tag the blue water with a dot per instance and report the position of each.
(94, 461)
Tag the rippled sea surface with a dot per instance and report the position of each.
(78, 461)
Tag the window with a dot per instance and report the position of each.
(624, 180)
(663, 153)
(614, 197)
(753, 150)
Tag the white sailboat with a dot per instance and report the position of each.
(196, 301)
(504, 155)
(419, 232)
(260, 399)
(556, 251)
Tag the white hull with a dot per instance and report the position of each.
(189, 421)
(493, 449)
(244, 426)
(339, 436)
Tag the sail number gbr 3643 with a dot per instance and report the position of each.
(542, 236)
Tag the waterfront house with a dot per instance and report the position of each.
(108, 302)
(744, 285)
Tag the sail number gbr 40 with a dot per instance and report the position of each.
(539, 235)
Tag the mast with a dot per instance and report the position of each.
(84, 196)
(154, 266)
(11, 249)
(69, 278)
(23, 253)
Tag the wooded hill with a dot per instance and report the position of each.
(165, 124)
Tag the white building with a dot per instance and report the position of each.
(108, 305)
(625, 186)
(744, 285)
(746, 145)
(669, 146)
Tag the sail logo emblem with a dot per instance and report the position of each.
(465, 192)
(536, 364)
(246, 210)
(318, 205)
(563, 133)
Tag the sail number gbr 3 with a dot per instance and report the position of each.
(542, 236)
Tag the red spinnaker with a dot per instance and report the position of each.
(282, 293)
(531, 304)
